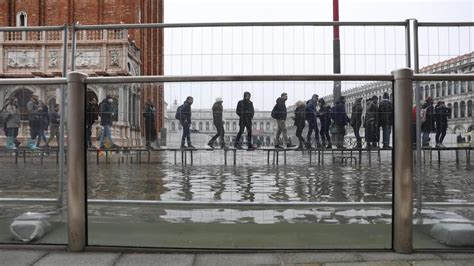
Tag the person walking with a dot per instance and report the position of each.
(34, 118)
(441, 119)
(341, 119)
(356, 121)
(218, 120)
(300, 123)
(44, 117)
(106, 113)
(385, 113)
(371, 123)
(245, 111)
(184, 117)
(54, 119)
(427, 121)
(149, 115)
(12, 122)
(325, 119)
(311, 116)
(92, 115)
(279, 113)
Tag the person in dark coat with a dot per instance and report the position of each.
(54, 119)
(185, 121)
(386, 119)
(218, 120)
(279, 113)
(325, 118)
(34, 118)
(92, 115)
(372, 123)
(106, 113)
(245, 111)
(11, 122)
(311, 116)
(427, 121)
(149, 114)
(441, 119)
(356, 121)
(340, 122)
(300, 123)
(44, 117)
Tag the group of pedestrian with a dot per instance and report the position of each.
(319, 116)
(434, 119)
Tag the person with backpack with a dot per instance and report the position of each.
(441, 119)
(106, 113)
(34, 117)
(386, 119)
(356, 121)
(339, 115)
(311, 116)
(54, 119)
(300, 123)
(372, 130)
(279, 113)
(149, 115)
(11, 122)
(218, 120)
(325, 118)
(427, 121)
(245, 111)
(183, 114)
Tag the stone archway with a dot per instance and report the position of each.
(23, 95)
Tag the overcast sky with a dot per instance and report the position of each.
(299, 50)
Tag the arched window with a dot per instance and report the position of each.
(200, 125)
(427, 91)
(450, 88)
(450, 106)
(438, 90)
(207, 126)
(432, 90)
(470, 86)
(455, 110)
(443, 89)
(267, 127)
(456, 87)
(469, 108)
(173, 126)
(227, 126)
(462, 108)
(21, 19)
(463, 86)
(261, 125)
(234, 126)
(194, 126)
(254, 125)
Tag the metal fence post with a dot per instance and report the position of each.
(62, 118)
(407, 43)
(76, 162)
(403, 162)
(73, 46)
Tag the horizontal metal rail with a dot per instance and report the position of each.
(240, 24)
(34, 28)
(152, 79)
(197, 204)
(445, 24)
(33, 81)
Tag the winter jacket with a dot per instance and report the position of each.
(44, 114)
(185, 118)
(33, 107)
(300, 116)
(245, 111)
(106, 112)
(311, 112)
(340, 115)
(325, 115)
(429, 124)
(12, 118)
(372, 130)
(54, 118)
(279, 110)
(217, 110)
(92, 113)
(442, 113)
(356, 117)
(385, 113)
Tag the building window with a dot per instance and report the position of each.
(254, 125)
(469, 108)
(261, 125)
(443, 89)
(207, 126)
(471, 86)
(234, 126)
(450, 88)
(432, 90)
(438, 90)
(450, 110)
(455, 110)
(173, 126)
(194, 126)
(21, 19)
(227, 126)
(267, 126)
(427, 91)
(200, 125)
(462, 106)
(456, 87)
(463, 86)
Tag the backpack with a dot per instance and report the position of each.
(3, 116)
(423, 115)
(273, 114)
(333, 113)
(178, 113)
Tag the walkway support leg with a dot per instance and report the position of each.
(76, 163)
(403, 162)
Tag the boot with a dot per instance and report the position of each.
(191, 146)
(10, 143)
(358, 145)
(31, 144)
(329, 146)
(211, 145)
(318, 145)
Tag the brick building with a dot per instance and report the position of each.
(148, 42)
